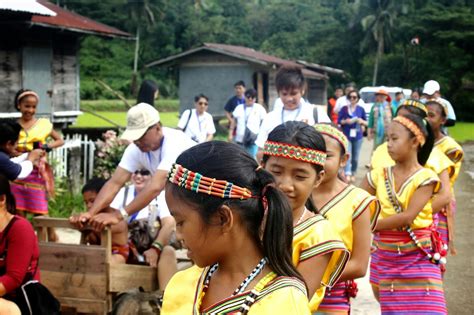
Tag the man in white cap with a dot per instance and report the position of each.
(154, 148)
(431, 90)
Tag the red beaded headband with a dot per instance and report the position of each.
(294, 152)
(198, 183)
(407, 123)
(334, 133)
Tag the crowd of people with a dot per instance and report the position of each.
(272, 219)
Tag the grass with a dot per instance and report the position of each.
(163, 105)
(462, 131)
(168, 119)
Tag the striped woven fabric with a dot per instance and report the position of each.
(336, 300)
(408, 282)
(30, 193)
(442, 227)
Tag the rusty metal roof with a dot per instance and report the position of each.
(241, 52)
(70, 21)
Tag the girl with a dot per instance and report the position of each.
(148, 92)
(409, 279)
(197, 123)
(295, 154)
(437, 115)
(237, 227)
(31, 192)
(353, 120)
(352, 212)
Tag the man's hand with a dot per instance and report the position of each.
(80, 220)
(35, 155)
(151, 257)
(101, 220)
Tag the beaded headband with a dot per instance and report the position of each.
(334, 133)
(27, 93)
(294, 152)
(198, 183)
(440, 103)
(412, 127)
(414, 103)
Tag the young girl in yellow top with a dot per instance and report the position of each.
(353, 213)
(237, 226)
(31, 192)
(408, 253)
(295, 154)
(437, 114)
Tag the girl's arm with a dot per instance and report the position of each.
(357, 266)
(365, 186)
(57, 140)
(313, 270)
(443, 197)
(233, 123)
(418, 201)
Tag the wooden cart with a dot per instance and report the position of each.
(81, 276)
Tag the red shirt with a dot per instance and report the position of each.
(22, 256)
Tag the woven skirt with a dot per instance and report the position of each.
(336, 300)
(30, 193)
(408, 282)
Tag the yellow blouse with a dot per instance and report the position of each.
(437, 161)
(449, 146)
(280, 295)
(39, 132)
(347, 206)
(315, 237)
(420, 178)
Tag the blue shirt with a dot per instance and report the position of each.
(8, 168)
(233, 102)
(345, 113)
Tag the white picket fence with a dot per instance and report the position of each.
(59, 157)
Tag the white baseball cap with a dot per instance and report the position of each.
(431, 87)
(139, 118)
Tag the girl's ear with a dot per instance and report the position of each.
(225, 218)
(319, 178)
(344, 160)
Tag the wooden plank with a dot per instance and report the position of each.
(260, 99)
(125, 277)
(72, 258)
(85, 305)
(52, 222)
(73, 285)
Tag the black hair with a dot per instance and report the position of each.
(199, 96)
(289, 77)
(425, 150)
(398, 93)
(17, 95)
(239, 83)
(5, 190)
(300, 134)
(147, 91)
(353, 91)
(251, 93)
(230, 162)
(94, 184)
(437, 104)
(10, 131)
(412, 109)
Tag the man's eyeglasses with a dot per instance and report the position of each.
(142, 172)
(203, 103)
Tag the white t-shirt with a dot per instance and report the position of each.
(159, 202)
(248, 116)
(198, 127)
(174, 143)
(303, 113)
(344, 101)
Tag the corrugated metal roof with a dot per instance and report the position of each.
(25, 6)
(241, 52)
(71, 21)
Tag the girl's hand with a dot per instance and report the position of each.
(80, 220)
(151, 257)
(101, 220)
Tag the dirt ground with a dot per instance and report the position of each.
(459, 278)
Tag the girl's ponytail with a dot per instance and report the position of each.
(277, 238)
(425, 150)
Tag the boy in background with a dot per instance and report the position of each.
(234, 101)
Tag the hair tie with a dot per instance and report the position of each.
(410, 125)
(265, 208)
(258, 168)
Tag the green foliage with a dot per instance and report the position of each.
(108, 153)
(65, 203)
(462, 132)
(87, 120)
(163, 105)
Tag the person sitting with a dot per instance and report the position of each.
(197, 123)
(11, 165)
(160, 254)
(120, 248)
(21, 261)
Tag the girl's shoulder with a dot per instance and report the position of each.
(450, 146)
(315, 222)
(438, 161)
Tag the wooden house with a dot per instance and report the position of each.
(39, 50)
(213, 69)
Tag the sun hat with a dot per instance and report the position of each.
(139, 118)
(431, 87)
(382, 92)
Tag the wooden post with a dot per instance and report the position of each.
(74, 169)
(260, 99)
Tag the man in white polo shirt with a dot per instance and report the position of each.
(154, 148)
